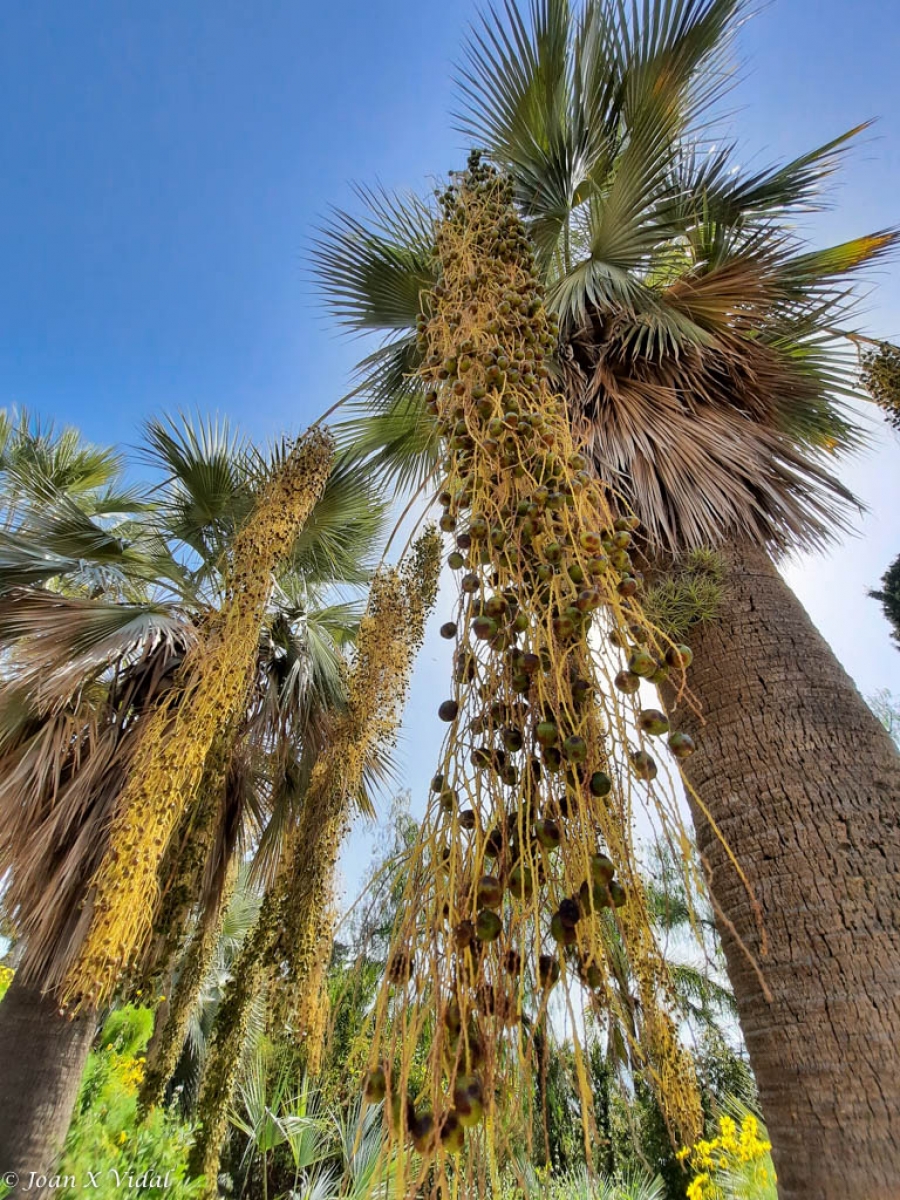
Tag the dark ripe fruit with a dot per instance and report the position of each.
(468, 1100)
(375, 1088)
(489, 892)
(449, 710)
(591, 542)
(639, 633)
(617, 894)
(600, 784)
(467, 819)
(495, 606)
(552, 758)
(562, 933)
(546, 734)
(421, 1130)
(447, 799)
(548, 970)
(679, 656)
(493, 846)
(521, 882)
(547, 833)
(448, 630)
(488, 926)
(530, 663)
(590, 974)
(575, 749)
(643, 765)
(464, 934)
(485, 628)
(682, 745)
(593, 897)
(447, 522)
(481, 757)
(628, 586)
(521, 682)
(455, 560)
(602, 869)
(652, 721)
(453, 1135)
(400, 967)
(642, 663)
(512, 739)
(626, 682)
(464, 541)
(570, 911)
(437, 783)
(512, 962)
(470, 583)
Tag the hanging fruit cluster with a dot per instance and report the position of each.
(881, 378)
(525, 873)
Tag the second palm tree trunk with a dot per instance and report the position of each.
(804, 785)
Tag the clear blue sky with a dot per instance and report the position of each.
(163, 165)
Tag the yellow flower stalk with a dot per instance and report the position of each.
(525, 878)
(171, 755)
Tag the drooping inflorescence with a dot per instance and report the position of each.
(525, 883)
(171, 755)
(880, 369)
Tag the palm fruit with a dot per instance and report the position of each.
(376, 1086)
(652, 721)
(681, 745)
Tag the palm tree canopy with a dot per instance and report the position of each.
(697, 350)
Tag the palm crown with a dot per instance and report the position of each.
(700, 350)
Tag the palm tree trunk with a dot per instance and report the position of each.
(42, 1056)
(804, 784)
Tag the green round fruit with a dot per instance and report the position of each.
(488, 926)
(546, 734)
(575, 749)
(642, 663)
(562, 933)
(470, 583)
(489, 892)
(600, 784)
(627, 682)
(548, 970)
(512, 739)
(652, 721)
(593, 897)
(485, 628)
(602, 869)
(591, 542)
(643, 765)
(617, 894)
(547, 833)
(682, 745)
(679, 657)
(455, 560)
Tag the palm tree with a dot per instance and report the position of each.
(101, 599)
(700, 356)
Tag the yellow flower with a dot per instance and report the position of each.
(123, 1138)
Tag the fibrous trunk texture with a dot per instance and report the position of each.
(42, 1056)
(804, 785)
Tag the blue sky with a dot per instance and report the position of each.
(163, 166)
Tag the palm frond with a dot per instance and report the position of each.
(372, 270)
(399, 444)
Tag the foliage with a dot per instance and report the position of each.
(887, 709)
(690, 593)
(6, 978)
(736, 1164)
(889, 595)
(106, 1139)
